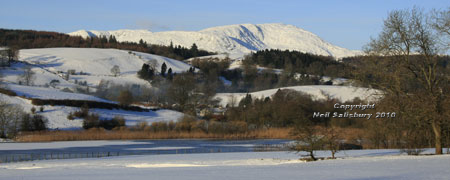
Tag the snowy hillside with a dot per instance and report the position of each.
(95, 61)
(95, 64)
(343, 93)
(57, 115)
(237, 40)
(51, 64)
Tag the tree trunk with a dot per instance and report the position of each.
(311, 153)
(437, 136)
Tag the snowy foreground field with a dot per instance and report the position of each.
(356, 164)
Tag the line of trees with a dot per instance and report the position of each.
(298, 62)
(26, 39)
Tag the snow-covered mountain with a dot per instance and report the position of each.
(237, 40)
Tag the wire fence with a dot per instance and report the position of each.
(20, 157)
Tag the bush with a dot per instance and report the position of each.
(119, 119)
(33, 123)
(125, 98)
(33, 110)
(91, 121)
(185, 123)
(70, 116)
(237, 127)
(41, 109)
(200, 125)
(215, 127)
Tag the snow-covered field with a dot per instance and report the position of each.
(343, 93)
(96, 64)
(49, 93)
(357, 164)
(57, 115)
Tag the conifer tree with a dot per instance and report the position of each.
(163, 69)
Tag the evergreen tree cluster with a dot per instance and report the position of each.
(297, 62)
(147, 72)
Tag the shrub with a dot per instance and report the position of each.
(91, 121)
(70, 116)
(120, 120)
(125, 98)
(215, 127)
(41, 108)
(185, 123)
(33, 110)
(33, 123)
(200, 125)
(237, 127)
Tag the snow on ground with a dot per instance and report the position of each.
(57, 115)
(360, 164)
(48, 93)
(236, 40)
(94, 63)
(343, 93)
(42, 77)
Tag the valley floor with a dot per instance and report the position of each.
(358, 164)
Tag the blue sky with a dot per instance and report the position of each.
(346, 23)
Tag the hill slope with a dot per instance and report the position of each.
(96, 64)
(234, 39)
(342, 93)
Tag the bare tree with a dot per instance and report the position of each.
(153, 64)
(28, 76)
(10, 116)
(115, 70)
(307, 137)
(405, 65)
(232, 101)
(182, 88)
(440, 21)
(13, 54)
(332, 139)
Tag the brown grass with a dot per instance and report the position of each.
(125, 134)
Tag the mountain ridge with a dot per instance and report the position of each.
(239, 39)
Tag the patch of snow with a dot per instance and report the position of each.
(251, 165)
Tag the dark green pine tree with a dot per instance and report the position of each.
(246, 101)
(194, 50)
(163, 69)
(169, 74)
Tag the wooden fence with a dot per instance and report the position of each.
(19, 157)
